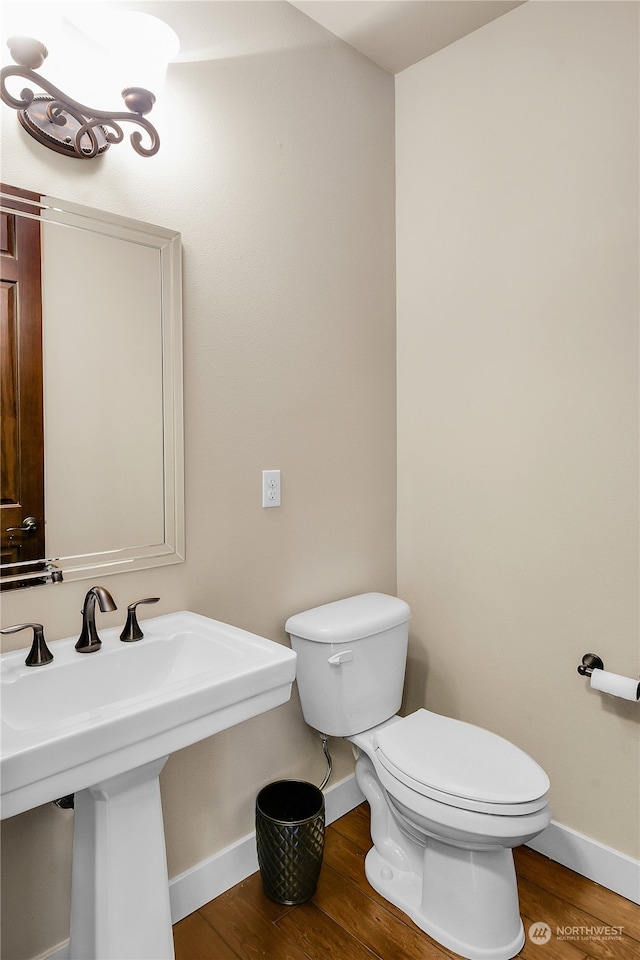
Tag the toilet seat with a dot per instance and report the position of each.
(461, 765)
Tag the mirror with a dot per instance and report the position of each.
(112, 395)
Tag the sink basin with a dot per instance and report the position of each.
(84, 717)
(101, 726)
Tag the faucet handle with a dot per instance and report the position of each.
(132, 629)
(39, 653)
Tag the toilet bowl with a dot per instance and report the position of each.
(445, 858)
(448, 799)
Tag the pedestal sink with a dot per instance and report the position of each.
(102, 725)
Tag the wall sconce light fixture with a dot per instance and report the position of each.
(65, 125)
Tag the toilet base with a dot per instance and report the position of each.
(477, 898)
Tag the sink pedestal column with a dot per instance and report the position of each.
(120, 890)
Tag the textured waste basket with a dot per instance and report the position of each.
(290, 839)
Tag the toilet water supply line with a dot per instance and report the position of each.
(625, 687)
(325, 747)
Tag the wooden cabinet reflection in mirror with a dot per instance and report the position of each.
(22, 435)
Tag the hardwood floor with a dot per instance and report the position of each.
(348, 920)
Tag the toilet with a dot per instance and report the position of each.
(448, 800)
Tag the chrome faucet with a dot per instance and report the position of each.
(89, 641)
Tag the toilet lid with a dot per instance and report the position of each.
(459, 759)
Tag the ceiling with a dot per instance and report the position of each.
(393, 33)
(398, 33)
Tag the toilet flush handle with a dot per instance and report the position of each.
(343, 657)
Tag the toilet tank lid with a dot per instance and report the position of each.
(351, 619)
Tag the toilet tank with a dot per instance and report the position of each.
(351, 657)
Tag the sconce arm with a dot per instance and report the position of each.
(60, 108)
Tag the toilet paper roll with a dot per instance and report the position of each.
(617, 686)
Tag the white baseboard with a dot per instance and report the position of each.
(209, 878)
(608, 867)
(192, 889)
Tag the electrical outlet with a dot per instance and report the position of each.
(270, 488)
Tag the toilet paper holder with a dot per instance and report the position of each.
(627, 688)
(590, 662)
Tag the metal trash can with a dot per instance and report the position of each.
(290, 839)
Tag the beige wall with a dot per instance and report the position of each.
(277, 167)
(517, 223)
(517, 192)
